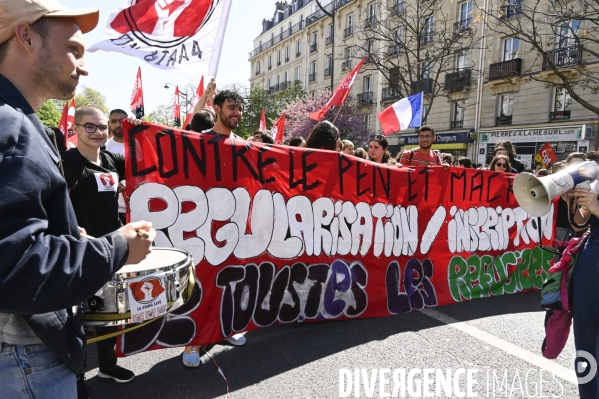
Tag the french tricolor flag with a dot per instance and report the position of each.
(404, 114)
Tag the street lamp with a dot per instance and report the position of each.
(185, 105)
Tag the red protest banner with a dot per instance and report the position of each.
(285, 234)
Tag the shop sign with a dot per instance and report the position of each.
(569, 133)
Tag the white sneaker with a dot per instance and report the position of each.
(191, 356)
(236, 340)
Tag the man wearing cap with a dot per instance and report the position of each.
(47, 268)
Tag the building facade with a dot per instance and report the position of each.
(476, 75)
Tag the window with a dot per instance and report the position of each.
(367, 121)
(347, 53)
(395, 47)
(568, 33)
(314, 38)
(511, 46)
(563, 101)
(278, 80)
(367, 84)
(466, 13)
(458, 114)
(427, 30)
(287, 51)
(424, 114)
(298, 73)
(371, 11)
(426, 70)
(462, 60)
(350, 20)
(278, 57)
(506, 104)
(298, 48)
(285, 77)
(258, 68)
(268, 84)
(313, 67)
(269, 62)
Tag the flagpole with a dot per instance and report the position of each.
(338, 112)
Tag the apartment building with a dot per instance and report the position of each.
(478, 93)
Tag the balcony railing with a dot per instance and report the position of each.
(327, 72)
(346, 65)
(564, 57)
(347, 32)
(391, 93)
(298, 54)
(458, 80)
(279, 63)
(275, 89)
(269, 67)
(366, 98)
(506, 12)
(559, 116)
(369, 59)
(312, 77)
(457, 124)
(424, 85)
(329, 41)
(462, 27)
(257, 73)
(502, 70)
(286, 59)
(276, 39)
(285, 85)
(313, 47)
(370, 21)
(503, 120)
(394, 50)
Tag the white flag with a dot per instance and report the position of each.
(175, 35)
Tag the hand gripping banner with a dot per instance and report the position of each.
(284, 234)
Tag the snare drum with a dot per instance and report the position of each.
(173, 267)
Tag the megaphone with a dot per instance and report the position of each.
(534, 194)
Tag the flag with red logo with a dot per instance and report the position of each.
(67, 124)
(175, 35)
(194, 102)
(262, 125)
(546, 156)
(137, 97)
(177, 108)
(340, 94)
(278, 130)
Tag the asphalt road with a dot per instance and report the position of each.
(497, 340)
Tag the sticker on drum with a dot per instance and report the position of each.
(147, 297)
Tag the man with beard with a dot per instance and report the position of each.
(116, 144)
(423, 155)
(228, 106)
(47, 268)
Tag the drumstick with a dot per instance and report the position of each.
(143, 234)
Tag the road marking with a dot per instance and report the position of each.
(514, 350)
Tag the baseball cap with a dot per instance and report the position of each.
(14, 12)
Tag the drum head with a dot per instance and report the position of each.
(159, 258)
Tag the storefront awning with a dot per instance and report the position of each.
(452, 146)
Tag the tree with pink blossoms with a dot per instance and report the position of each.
(348, 118)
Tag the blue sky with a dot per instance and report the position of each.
(113, 74)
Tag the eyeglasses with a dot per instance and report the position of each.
(376, 136)
(91, 128)
(501, 165)
(425, 136)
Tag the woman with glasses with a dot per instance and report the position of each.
(501, 163)
(377, 149)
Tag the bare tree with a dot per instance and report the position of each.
(561, 39)
(415, 44)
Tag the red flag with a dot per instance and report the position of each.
(278, 130)
(67, 124)
(137, 97)
(194, 102)
(340, 94)
(177, 109)
(262, 125)
(546, 156)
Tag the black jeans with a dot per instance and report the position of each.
(105, 348)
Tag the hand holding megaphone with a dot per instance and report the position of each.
(586, 199)
(534, 194)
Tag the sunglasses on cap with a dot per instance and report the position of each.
(376, 136)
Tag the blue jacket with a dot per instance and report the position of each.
(45, 266)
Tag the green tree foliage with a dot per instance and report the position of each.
(48, 114)
(162, 114)
(89, 96)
